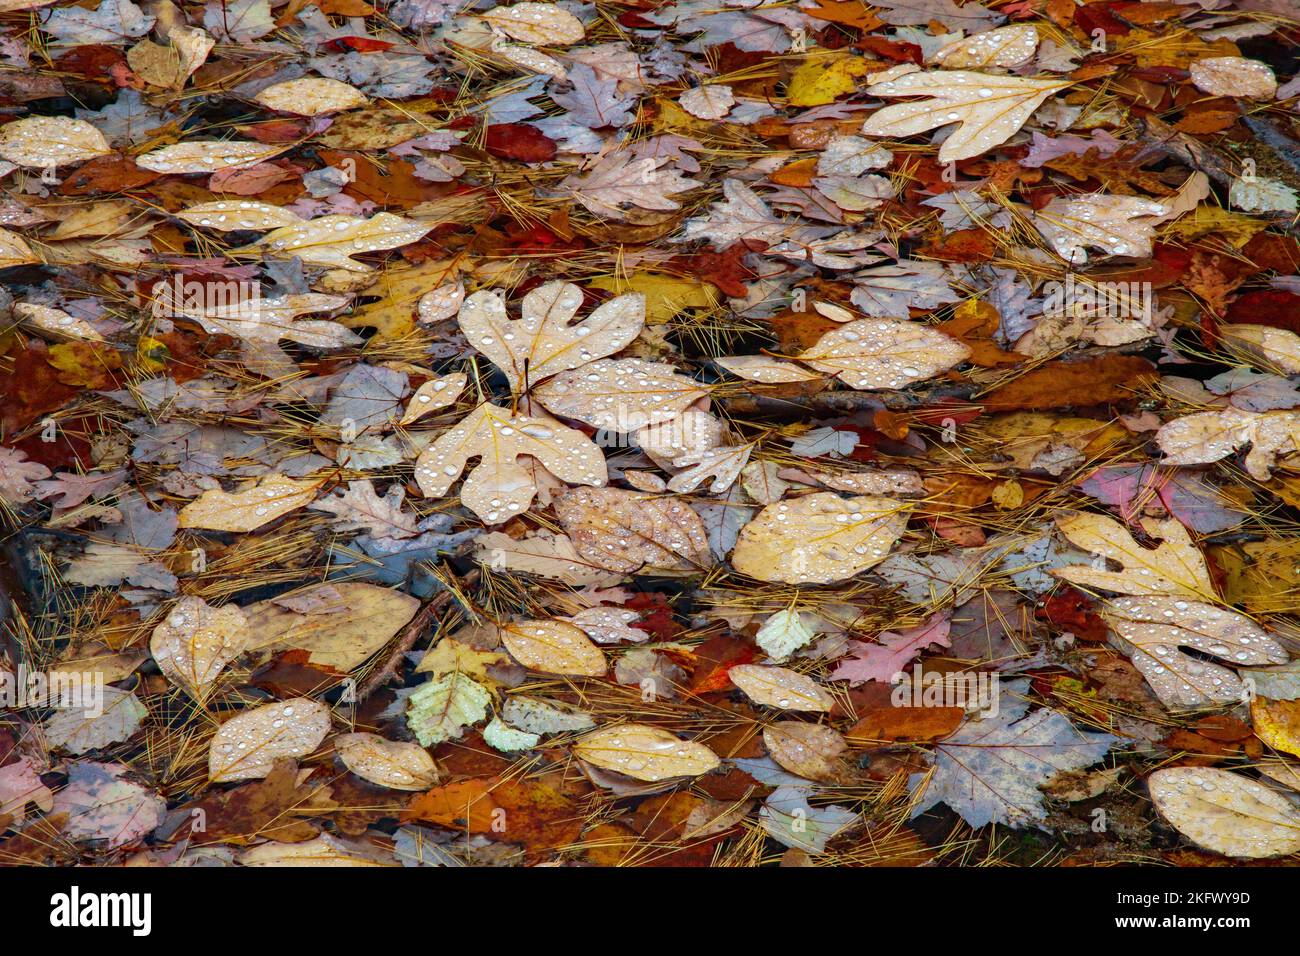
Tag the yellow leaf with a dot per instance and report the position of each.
(645, 753)
(821, 80)
(274, 495)
(553, 647)
(665, 296)
(1277, 723)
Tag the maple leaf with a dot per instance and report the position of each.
(990, 770)
(17, 475)
(358, 508)
(892, 652)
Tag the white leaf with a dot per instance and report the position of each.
(542, 24)
(989, 108)
(1117, 225)
(544, 340)
(499, 486)
(710, 102)
(207, 156)
(884, 353)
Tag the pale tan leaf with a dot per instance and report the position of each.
(621, 395)
(196, 641)
(207, 156)
(780, 687)
(1235, 77)
(553, 647)
(331, 241)
(989, 108)
(626, 530)
(544, 340)
(1206, 437)
(723, 465)
(711, 102)
(435, 394)
(273, 496)
(340, 625)
(1227, 813)
(324, 850)
(884, 353)
(819, 538)
(499, 487)
(1117, 225)
(806, 750)
(311, 96)
(55, 323)
(760, 368)
(1005, 46)
(1274, 350)
(246, 746)
(231, 215)
(645, 753)
(83, 727)
(43, 142)
(610, 625)
(541, 24)
(14, 250)
(1174, 566)
(442, 303)
(544, 554)
(388, 763)
(690, 433)
(1158, 627)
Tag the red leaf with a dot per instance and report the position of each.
(519, 141)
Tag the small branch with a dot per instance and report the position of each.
(410, 636)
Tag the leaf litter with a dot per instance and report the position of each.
(695, 435)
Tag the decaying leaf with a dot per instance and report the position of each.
(544, 340)
(884, 353)
(196, 641)
(625, 531)
(553, 647)
(311, 96)
(1156, 627)
(1174, 566)
(780, 687)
